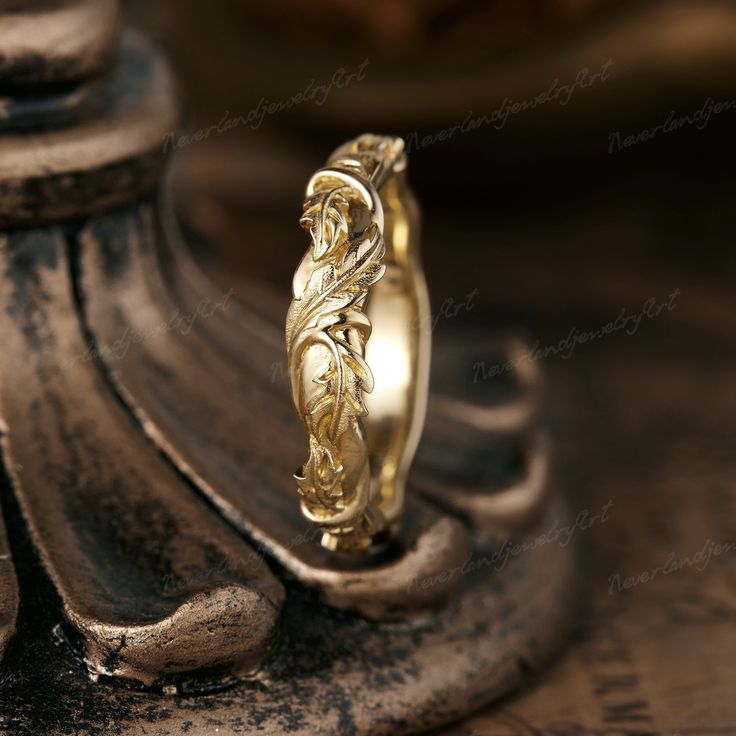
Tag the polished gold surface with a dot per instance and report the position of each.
(358, 342)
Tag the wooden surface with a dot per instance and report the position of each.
(8, 592)
(55, 173)
(646, 421)
(149, 581)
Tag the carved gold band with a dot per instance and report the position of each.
(358, 342)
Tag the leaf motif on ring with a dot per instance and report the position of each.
(329, 324)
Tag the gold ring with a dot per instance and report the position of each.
(358, 343)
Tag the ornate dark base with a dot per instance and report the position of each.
(331, 673)
(168, 582)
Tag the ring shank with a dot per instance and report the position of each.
(358, 339)
(398, 351)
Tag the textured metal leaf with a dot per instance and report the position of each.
(328, 327)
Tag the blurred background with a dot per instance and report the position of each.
(574, 160)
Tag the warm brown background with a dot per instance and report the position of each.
(555, 232)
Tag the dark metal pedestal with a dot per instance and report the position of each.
(168, 583)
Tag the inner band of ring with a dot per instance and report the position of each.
(357, 209)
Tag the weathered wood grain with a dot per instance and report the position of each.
(221, 426)
(56, 43)
(99, 162)
(8, 591)
(151, 581)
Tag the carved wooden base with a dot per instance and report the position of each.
(168, 582)
(330, 673)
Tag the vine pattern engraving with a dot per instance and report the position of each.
(327, 330)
